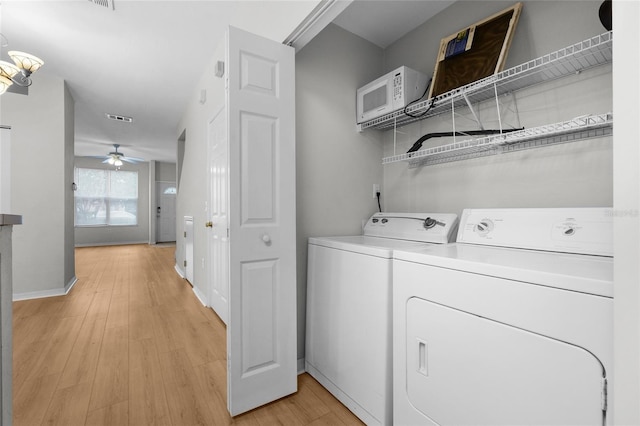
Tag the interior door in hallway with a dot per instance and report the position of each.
(166, 211)
(218, 244)
(261, 328)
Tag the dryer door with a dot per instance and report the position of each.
(465, 369)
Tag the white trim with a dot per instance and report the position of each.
(46, 293)
(115, 243)
(341, 396)
(70, 284)
(626, 219)
(179, 271)
(323, 14)
(153, 189)
(200, 296)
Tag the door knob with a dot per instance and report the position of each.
(209, 224)
(266, 239)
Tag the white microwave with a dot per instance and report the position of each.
(389, 93)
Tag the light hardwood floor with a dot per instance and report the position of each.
(130, 344)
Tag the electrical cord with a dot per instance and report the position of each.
(378, 195)
(413, 102)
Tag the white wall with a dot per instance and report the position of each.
(165, 172)
(192, 190)
(109, 235)
(41, 140)
(69, 205)
(578, 174)
(336, 166)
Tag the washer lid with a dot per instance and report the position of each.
(575, 272)
(425, 227)
(363, 244)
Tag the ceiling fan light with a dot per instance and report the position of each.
(117, 163)
(8, 70)
(4, 84)
(26, 61)
(112, 160)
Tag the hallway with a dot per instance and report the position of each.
(132, 345)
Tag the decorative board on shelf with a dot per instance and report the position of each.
(475, 52)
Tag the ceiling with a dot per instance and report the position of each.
(383, 22)
(142, 59)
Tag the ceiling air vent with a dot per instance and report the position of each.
(119, 118)
(105, 3)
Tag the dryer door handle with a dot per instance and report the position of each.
(422, 358)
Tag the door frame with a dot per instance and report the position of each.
(221, 109)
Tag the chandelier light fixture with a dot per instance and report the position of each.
(20, 71)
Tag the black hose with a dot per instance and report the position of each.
(418, 144)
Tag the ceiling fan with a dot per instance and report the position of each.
(116, 157)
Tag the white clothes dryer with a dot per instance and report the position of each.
(511, 325)
(348, 328)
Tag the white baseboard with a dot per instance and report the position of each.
(200, 296)
(116, 243)
(179, 271)
(46, 293)
(70, 284)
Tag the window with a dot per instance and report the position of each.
(106, 197)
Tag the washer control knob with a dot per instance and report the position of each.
(385, 220)
(430, 223)
(484, 227)
(569, 231)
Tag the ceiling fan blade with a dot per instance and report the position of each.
(132, 160)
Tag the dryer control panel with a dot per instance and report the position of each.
(424, 227)
(568, 230)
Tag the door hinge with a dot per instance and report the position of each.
(185, 234)
(185, 263)
(604, 394)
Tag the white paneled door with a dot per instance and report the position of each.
(218, 172)
(252, 210)
(166, 211)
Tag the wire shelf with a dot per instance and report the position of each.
(567, 61)
(579, 128)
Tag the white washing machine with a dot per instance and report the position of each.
(348, 330)
(511, 325)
